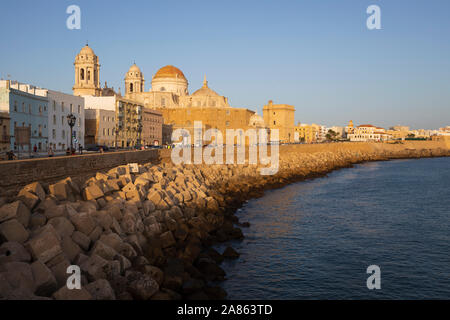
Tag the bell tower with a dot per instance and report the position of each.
(134, 80)
(87, 73)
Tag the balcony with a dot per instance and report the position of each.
(5, 139)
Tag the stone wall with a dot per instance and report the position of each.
(16, 174)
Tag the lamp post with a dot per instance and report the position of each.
(71, 120)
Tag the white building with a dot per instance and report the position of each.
(60, 106)
(368, 132)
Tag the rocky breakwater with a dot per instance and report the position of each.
(144, 235)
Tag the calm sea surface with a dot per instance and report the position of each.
(315, 239)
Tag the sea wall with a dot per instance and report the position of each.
(148, 235)
(16, 174)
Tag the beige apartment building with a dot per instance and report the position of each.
(100, 127)
(152, 122)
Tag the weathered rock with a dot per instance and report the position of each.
(83, 222)
(113, 240)
(44, 245)
(103, 250)
(15, 210)
(56, 211)
(63, 226)
(143, 288)
(13, 230)
(19, 275)
(96, 234)
(154, 272)
(92, 192)
(230, 253)
(82, 240)
(95, 267)
(58, 265)
(44, 279)
(29, 199)
(66, 294)
(70, 248)
(37, 220)
(13, 252)
(101, 290)
(167, 239)
(60, 190)
(36, 189)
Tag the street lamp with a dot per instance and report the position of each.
(71, 120)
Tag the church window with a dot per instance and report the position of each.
(274, 123)
(89, 75)
(163, 102)
(131, 87)
(54, 134)
(82, 74)
(54, 119)
(163, 89)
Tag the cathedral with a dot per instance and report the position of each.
(170, 95)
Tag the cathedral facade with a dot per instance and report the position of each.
(169, 94)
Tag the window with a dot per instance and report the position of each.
(40, 130)
(82, 74)
(71, 108)
(162, 89)
(54, 105)
(163, 102)
(89, 75)
(40, 110)
(54, 134)
(29, 108)
(79, 109)
(15, 106)
(54, 119)
(104, 131)
(228, 123)
(274, 123)
(63, 134)
(131, 87)
(23, 106)
(62, 106)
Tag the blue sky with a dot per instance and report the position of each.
(317, 55)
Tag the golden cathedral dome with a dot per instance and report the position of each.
(169, 72)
